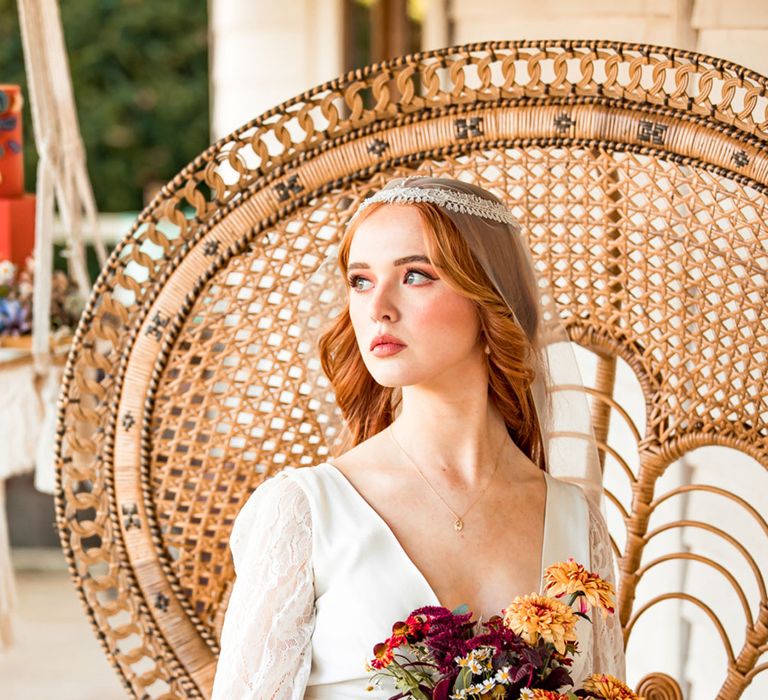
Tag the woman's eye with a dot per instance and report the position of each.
(354, 279)
(418, 274)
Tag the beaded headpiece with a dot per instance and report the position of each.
(462, 202)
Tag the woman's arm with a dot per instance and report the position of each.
(267, 630)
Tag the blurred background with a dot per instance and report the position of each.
(156, 83)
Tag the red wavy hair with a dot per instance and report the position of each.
(369, 407)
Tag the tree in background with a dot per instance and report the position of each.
(140, 77)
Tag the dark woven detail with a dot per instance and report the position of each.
(284, 189)
(377, 147)
(155, 329)
(563, 122)
(128, 420)
(211, 247)
(740, 158)
(131, 519)
(469, 127)
(161, 602)
(652, 132)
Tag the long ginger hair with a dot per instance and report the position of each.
(369, 407)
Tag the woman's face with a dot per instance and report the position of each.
(395, 290)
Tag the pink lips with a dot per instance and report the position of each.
(384, 349)
(383, 345)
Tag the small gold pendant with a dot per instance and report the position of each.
(458, 525)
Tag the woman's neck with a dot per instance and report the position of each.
(457, 437)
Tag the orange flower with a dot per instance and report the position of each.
(384, 655)
(609, 688)
(400, 631)
(541, 694)
(533, 616)
(568, 577)
(418, 626)
(412, 630)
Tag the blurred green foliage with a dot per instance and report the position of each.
(140, 76)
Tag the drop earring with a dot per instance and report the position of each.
(487, 350)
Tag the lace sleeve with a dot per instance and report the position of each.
(267, 629)
(607, 638)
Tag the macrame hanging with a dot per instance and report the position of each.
(63, 183)
(62, 176)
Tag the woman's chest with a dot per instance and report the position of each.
(373, 565)
(496, 556)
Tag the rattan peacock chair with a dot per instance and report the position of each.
(641, 176)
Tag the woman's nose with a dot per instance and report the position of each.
(383, 305)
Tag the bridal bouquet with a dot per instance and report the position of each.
(523, 654)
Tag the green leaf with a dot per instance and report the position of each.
(463, 680)
(419, 695)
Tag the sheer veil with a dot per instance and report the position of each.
(494, 237)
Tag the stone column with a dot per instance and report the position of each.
(648, 21)
(264, 52)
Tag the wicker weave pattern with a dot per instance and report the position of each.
(640, 176)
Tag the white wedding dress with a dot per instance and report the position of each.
(321, 578)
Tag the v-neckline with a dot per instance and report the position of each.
(383, 523)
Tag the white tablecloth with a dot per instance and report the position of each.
(27, 436)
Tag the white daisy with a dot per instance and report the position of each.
(488, 684)
(7, 271)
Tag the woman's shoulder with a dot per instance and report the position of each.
(268, 493)
(287, 480)
(366, 457)
(277, 509)
(286, 490)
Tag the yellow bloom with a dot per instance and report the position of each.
(541, 694)
(533, 616)
(609, 688)
(567, 577)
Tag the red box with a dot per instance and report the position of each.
(11, 156)
(17, 228)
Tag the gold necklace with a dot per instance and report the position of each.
(458, 524)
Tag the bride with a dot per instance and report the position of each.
(446, 494)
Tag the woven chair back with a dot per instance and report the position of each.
(639, 174)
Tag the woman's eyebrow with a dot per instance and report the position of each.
(399, 261)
